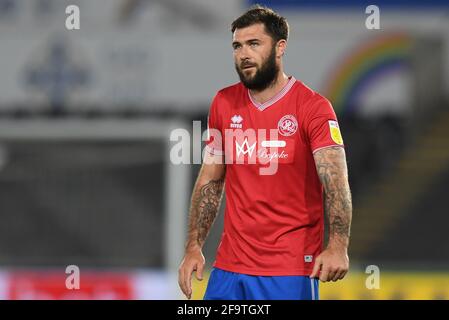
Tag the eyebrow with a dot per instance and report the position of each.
(247, 41)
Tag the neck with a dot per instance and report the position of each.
(269, 92)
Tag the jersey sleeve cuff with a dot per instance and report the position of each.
(328, 146)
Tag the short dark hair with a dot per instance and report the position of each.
(275, 25)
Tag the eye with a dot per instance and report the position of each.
(254, 44)
(236, 46)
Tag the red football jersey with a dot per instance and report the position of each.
(274, 221)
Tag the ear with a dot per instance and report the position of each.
(281, 46)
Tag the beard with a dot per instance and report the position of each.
(264, 76)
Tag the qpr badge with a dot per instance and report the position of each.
(288, 125)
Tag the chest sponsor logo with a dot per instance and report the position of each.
(288, 125)
(244, 148)
(281, 151)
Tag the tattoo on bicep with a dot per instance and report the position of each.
(206, 204)
(332, 171)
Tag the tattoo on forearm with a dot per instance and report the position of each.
(332, 171)
(205, 204)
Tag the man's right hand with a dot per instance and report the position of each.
(193, 261)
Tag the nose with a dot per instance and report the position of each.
(243, 54)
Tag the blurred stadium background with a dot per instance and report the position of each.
(86, 116)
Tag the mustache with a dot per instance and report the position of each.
(246, 64)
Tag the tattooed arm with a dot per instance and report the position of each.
(333, 173)
(205, 202)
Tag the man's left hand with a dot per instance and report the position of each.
(331, 265)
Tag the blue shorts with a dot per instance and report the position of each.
(225, 285)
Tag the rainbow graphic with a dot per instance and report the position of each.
(363, 66)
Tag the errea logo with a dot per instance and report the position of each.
(236, 122)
